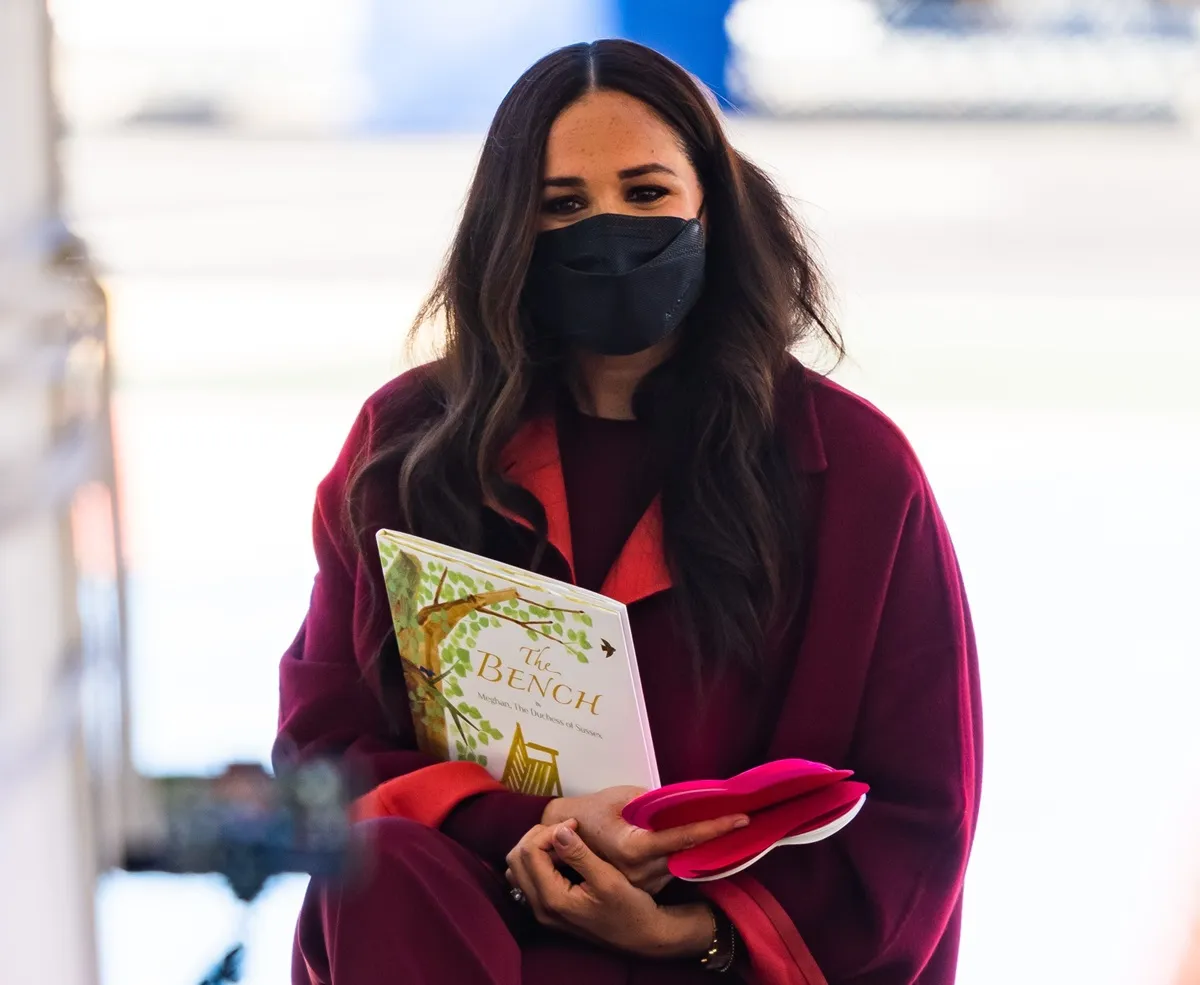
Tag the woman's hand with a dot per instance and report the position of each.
(605, 908)
(640, 855)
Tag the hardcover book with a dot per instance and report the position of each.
(534, 679)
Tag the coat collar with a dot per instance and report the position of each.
(531, 460)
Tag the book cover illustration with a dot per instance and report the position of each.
(533, 679)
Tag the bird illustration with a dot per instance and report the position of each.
(608, 648)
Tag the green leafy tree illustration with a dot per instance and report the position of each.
(439, 614)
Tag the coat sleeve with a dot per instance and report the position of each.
(329, 705)
(880, 901)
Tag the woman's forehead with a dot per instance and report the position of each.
(606, 132)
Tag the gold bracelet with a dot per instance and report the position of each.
(714, 947)
(708, 962)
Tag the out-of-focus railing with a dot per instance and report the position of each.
(1114, 60)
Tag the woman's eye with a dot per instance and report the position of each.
(646, 193)
(564, 205)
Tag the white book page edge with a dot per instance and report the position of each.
(639, 699)
(501, 569)
(807, 838)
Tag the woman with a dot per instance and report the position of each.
(616, 405)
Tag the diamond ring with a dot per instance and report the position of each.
(518, 897)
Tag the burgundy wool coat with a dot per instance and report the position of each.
(875, 673)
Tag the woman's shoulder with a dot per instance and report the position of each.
(404, 400)
(401, 405)
(832, 429)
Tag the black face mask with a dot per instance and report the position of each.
(615, 284)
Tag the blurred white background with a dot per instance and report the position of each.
(1023, 301)
(1022, 297)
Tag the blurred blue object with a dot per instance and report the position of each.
(445, 66)
(692, 32)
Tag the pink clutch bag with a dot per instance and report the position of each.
(789, 802)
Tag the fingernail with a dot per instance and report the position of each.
(741, 822)
(564, 836)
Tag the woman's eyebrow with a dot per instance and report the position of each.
(572, 181)
(652, 168)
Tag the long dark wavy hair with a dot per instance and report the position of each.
(733, 510)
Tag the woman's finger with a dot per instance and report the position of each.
(672, 840)
(600, 878)
(518, 874)
(527, 871)
(539, 836)
(552, 888)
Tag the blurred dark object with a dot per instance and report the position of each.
(248, 826)
(228, 969)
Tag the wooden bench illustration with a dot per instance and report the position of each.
(531, 769)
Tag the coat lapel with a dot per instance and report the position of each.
(641, 568)
(532, 461)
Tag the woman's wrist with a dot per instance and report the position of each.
(684, 931)
(491, 823)
(722, 951)
(556, 812)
